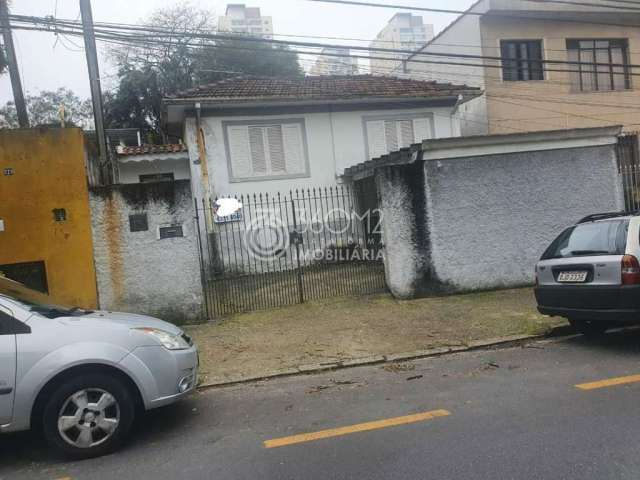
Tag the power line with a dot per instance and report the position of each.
(466, 12)
(289, 43)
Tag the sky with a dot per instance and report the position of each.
(47, 65)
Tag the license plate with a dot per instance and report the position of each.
(572, 277)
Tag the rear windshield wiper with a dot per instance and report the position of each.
(590, 252)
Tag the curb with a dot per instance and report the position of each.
(499, 342)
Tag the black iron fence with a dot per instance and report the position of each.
(629, 168)
(282, 249)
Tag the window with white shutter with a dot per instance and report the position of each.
(266, 150)
(389, 135)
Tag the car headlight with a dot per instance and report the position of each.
(168, 340)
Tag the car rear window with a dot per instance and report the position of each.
(596, 238)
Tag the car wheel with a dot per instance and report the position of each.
(88, 416)
(589, 328)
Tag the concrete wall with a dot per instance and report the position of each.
(129, 171)
(137, 271)
(42, 170)
(490, 218)
(484, 221)
(406, 253)
(335, 141)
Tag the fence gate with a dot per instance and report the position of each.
(282, 249)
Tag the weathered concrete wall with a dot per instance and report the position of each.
(402, 201)
(41, 170)
(491, 217)
(138, 271)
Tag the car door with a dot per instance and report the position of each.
(8, 359)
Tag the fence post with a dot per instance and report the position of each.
(297, 243)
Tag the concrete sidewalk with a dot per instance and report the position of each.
(358, 330)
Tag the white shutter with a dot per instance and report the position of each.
(391, 135)
(276, 149)
(293, 148)
(258, 157)
(406, 133)
(376, 138)
(422, 129)
(239, 151)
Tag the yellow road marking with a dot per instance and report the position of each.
(360, 427)
(609, 382)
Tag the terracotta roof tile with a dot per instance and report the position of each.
(152, 149)
(321, 88)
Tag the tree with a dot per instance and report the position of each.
(46, 109)
(180, 60)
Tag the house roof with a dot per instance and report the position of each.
(319, 88)
(152, 149)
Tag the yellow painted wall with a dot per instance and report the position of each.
(550, 104)
(48, 172)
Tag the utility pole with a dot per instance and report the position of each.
(94, 77)
(14, 73)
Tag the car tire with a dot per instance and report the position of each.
(88, 416)
(589, 328)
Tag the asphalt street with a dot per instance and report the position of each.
(512, 413)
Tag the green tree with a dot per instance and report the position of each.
(46, 109)
(179, 60)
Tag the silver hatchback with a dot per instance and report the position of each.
(82, 376)
(590, 274)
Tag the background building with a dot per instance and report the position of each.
(338, 65)
(404, 31)
(242, 19)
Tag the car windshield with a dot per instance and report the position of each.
(37, 302)
(586, 239)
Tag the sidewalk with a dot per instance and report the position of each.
(345, 330)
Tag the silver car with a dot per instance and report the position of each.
(590, 274)
(82, 376)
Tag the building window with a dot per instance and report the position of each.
(266, 150)
(156, 177)
(389, 135)
(604, 65)
(521, 60)
(30, 274)
(171, 231)
(59, 215)
(138, 222)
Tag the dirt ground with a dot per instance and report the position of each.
(263, 343)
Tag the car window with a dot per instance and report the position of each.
(596, 238)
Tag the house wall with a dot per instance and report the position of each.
(335, 141)
(136, 271)
(130, 171)
(490, 218)
(550, 104)
(46, 172)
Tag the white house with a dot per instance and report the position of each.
(277, 134)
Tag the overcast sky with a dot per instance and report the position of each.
(46, 65)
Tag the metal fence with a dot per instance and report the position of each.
(629, 168)
(283, 249)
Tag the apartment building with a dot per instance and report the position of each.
(241, 19)
(517, 52)
(335, 61)
(404, 31)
